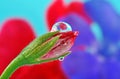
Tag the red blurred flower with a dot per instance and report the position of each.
(14, 36)
(58, 9)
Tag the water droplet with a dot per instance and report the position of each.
(61, 26)
(61, 59)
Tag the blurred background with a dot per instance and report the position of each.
(96, 52)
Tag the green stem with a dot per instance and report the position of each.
(11, 68)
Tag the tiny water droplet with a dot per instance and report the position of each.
(61, 59)
(61, 26)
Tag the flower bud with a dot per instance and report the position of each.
(48, 47)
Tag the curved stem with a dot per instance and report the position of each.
(11, 68)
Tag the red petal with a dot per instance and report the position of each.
(51, 70)
(58, 10)
(14, 36)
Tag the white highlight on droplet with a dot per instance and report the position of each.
(61, 58)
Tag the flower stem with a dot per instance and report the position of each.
(16, 63)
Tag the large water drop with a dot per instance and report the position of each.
(61, 26)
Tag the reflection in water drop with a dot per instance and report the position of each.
(61, 59)
(61, 26)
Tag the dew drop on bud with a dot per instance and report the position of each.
(61, 58)
(61, 26)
